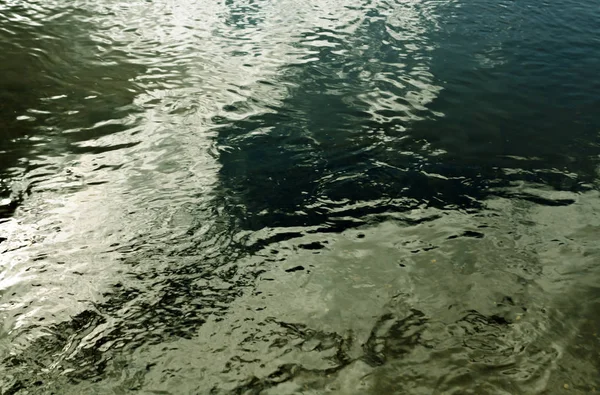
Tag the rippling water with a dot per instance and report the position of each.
(282, 197)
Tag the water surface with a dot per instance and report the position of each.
(277, 197)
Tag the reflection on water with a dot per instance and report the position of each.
(263, 197)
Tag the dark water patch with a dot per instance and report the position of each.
(313, 246)
(541, 200)
(295, 269)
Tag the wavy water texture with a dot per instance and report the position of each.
(278, 197)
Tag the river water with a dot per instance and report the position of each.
(299, 197)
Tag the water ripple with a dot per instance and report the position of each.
(273, 197)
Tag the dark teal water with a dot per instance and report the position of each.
(278, 197)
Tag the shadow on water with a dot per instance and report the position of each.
(302, 184)
(328, 158)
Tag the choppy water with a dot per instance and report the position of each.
(283, 197)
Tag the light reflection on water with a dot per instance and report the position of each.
(282, 197)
